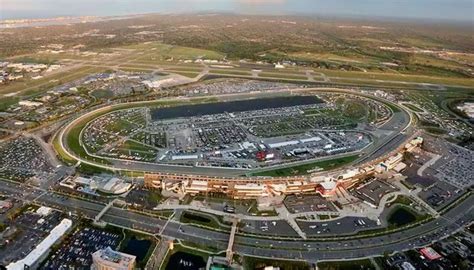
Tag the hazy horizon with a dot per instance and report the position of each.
(454, 10)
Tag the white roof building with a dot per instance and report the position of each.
(184, 157)
(281, 144)
(29, 103)
(44, 211)
(113, 186)
(42, 248)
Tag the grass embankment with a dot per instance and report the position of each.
(190, 217)
(32, 87)
(185, 73)
(303, 169)
(365, 264)
(354, 76)
(260, 263)
(230, 72)
(282, 76)
(159, 51)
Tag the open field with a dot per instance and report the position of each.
(32, 87)
(362, 77)
(365, 264)
(160, 51)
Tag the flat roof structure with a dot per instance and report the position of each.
(43, 247)
(108, 259)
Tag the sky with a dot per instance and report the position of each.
(459, 10)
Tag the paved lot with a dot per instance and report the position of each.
(28, 230)
(440, 194)
(22, 158)
(277, 228)
(373, 190)
(308, 203)
(341, 226)
(414, 179)
(219, 204)
(76, 251)
(455, 166)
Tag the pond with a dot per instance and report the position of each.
(401, 216)
(232, 106)
(185, 261)
(137, 247)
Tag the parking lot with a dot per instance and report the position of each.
(224, 204)
(22, 158)
(457, 168)
(25, 232)
(226, 86)
(76, 251)
(455, 165)
(440, 194)
(308, 203)
(411, 171)
(345, 225)
(276, 228)
(373, 190)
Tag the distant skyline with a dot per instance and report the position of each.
(458, 10)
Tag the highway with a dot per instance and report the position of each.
(296, 248)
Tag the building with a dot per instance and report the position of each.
(407, 266)
(111, 185)
(41, 250)
(109, 259)
(467, 108)
(5, 205)
(105, 184)
(256, 187)
(400, 167)
(28, 103)
(430, 253)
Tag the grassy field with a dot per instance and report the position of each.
(199, 219)
(184, 73)
(137, 149)
(230, 72)
(260, 263)
(160, 51)
(367, 76)
(282, 76)
(32, 87)
(303, 169)
(61, 153)
(365, 264)
(135, 69)
(332, 57)
(184, 69)
(7, 102)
